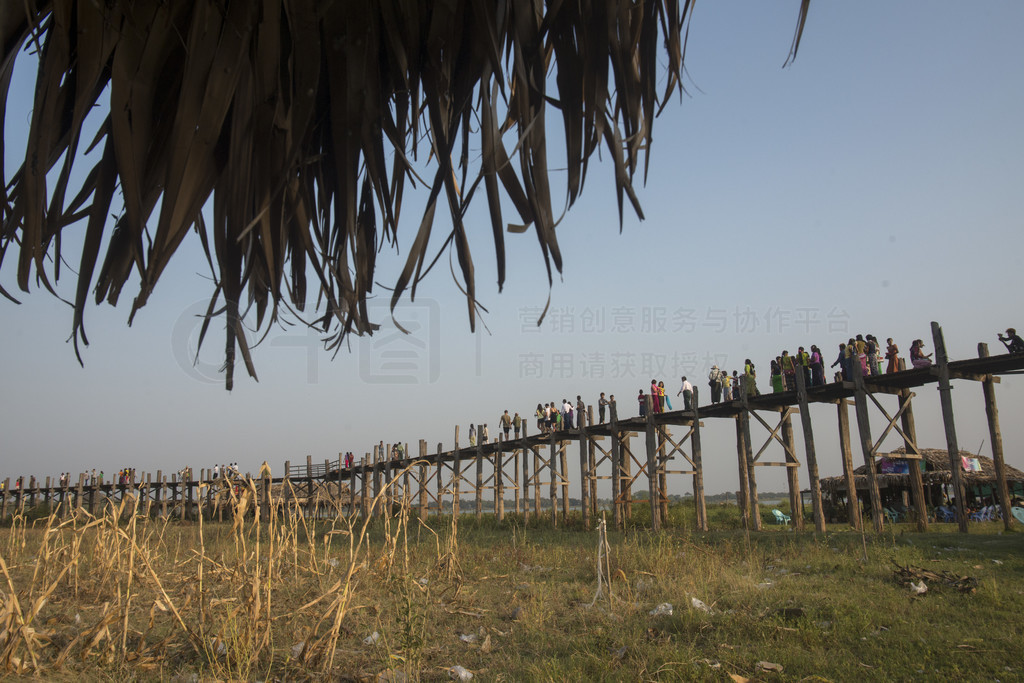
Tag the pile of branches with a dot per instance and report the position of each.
(302, 121)
(905, 576)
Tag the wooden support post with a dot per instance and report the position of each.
(265, 493)
(613, 426)
(479, 472)
(93, 489)
(185, 495)
(852, 501)
(339, 498)
(796, 502)
(526, 481)
(660, 457)
(910, 446)
(352, 487)
(585, 473)
(385, 463)
(699, 501)
(158, 497)
(8, 498)
(946, 401)
(365, 489)
(743, 496)
(219, 486)
(424, 501)
(380, 467)
(536, 482)
(753, 506)
(286, 489)
(627, 476)
(7, 494)
(810, 453)
(563, 482)
(515, 474)
(499, 479)
(553, 478)
(652, 465)
(864, 429)
(457, 476)
(406, 477)
(754, 503)
(592, 465)
(440, 480)
(333, 500)
(988, 387)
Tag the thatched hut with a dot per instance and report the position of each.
(892, 474)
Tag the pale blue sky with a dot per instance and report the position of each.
(873, 186)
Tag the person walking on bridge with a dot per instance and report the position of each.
(817, 367)
(666, 404)
(715, 382)
(750, 377)
(506, 423)
(803, 361)
(892, 353)
(655, 397)
(687, 392)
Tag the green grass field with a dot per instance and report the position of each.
(281, 600)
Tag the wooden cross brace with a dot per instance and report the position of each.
(677, 447)
(892, 425)
(470, 462)
(774, 433)
(545, 463)
(591, 472)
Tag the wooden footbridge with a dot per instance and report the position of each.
(537, 466)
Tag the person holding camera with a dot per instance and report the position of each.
(1012, 342)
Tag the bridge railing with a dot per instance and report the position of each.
(314, 470)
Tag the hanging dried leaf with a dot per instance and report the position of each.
(281, 115)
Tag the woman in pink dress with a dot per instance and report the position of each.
(655, 396)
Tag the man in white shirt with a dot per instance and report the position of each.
(687, 392)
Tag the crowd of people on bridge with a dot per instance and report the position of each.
(229, 471)
(553, 417)
(863, 352)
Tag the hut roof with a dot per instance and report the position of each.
(936, 471)
(208, 134)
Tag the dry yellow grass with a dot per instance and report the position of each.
(124, 596)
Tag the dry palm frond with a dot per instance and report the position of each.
(302, 120)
